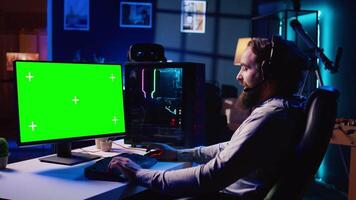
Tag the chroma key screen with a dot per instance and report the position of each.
(58, 101)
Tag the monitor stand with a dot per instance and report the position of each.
(65, 156)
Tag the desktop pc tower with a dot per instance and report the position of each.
(164, 102)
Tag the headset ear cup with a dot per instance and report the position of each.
(263, 68)
(266, 68)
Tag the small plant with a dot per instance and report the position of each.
(4, 148)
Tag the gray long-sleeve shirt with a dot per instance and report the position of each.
(246, 166)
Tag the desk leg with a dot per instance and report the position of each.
(352, 176)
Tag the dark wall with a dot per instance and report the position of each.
(226, 22)
(38, 6)
(105, 38)
(16, 17)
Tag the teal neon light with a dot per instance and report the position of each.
(327, 29)
(319, 13)
(318, 43)
(154, 82)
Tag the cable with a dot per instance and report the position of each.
(89, 151)
(301, 89)
(117, 144)
(131, 148)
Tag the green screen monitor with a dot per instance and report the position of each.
(62, 102)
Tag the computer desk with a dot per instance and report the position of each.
(341, 137)
(32, 179)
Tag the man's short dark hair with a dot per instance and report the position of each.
(284, 65)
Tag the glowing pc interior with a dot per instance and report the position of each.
(164, 102)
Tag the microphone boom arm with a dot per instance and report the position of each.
(329, 65)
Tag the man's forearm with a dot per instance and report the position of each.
(200, 154)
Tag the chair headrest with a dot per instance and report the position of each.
(322, 91)
(146, 52)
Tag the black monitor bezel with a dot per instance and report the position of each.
(61, 140)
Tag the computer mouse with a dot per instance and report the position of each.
(117, 175)
(154, 153)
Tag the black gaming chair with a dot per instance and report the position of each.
(321, 113)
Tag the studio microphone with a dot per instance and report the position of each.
(297, 27)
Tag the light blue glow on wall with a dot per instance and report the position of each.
(307, 20)
(327, 35)
(326, 38)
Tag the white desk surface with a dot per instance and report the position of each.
(32, 179)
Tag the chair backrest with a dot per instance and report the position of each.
(320, 111)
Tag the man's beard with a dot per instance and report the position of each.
(249, 99)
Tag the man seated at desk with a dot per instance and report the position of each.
(249, 164)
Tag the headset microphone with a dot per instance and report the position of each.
(253, 89)
(249, 89)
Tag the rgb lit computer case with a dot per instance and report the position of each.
(164, 102)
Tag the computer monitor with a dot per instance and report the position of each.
(164, 102)
(63, 102)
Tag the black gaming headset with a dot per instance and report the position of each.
(282, 53)
(267, 65)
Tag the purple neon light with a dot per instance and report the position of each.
(143, 82)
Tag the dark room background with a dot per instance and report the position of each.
(37, 26)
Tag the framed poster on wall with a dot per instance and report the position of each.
(136, 14)
(76, 15)
(193, 18)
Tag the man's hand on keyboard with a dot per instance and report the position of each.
(127, 167)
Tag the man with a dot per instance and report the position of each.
(249, 164)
